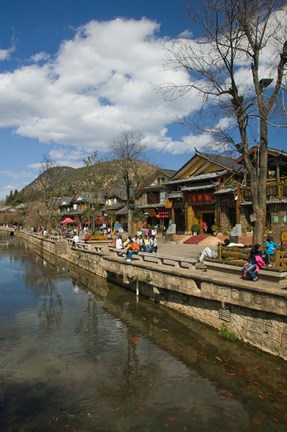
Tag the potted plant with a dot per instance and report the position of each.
(195, 229)
(214, 229)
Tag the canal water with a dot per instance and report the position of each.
(80, 354)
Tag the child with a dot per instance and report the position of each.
(270, 247)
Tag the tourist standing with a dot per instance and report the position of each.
(270, 247)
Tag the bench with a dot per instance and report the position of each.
(97, 248)
(112, 249)
(85, 246)
(188, 263)
(79, 245)
(228, 268)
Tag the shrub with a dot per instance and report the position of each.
(226, 333)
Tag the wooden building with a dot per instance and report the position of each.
(205, 189)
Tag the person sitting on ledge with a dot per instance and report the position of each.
(228, 243)
(153, 244)
(75, 240)
(208, 253)
(119, 243)
(131, 249)
(141, 243)
(254, 263)
(128, 240)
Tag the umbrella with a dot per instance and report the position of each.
(67, 220)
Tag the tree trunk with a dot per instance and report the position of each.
(130, 222)
(259, 227)
(259, 187)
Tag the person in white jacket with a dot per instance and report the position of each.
(209, 253)
(119, 243)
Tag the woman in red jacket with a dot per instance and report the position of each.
(255, 263)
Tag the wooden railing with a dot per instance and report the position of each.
(274, 189)
(239, 256)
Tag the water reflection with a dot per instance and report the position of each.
(256, 380)
(41, 282)
(87, 326)
(51, 310)
(101, 361)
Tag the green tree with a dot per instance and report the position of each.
(13, 198)
(235, 36)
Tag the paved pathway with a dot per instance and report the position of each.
(179, 249)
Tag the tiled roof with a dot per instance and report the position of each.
(225, 190)
(199, 187)
(144, 206)
(175, 194)
(122, 211)
(224, 161)
(268, 201)
(199, 177)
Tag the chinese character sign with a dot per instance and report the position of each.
(200, 198)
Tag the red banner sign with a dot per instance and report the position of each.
(201, 198)
(162, 215)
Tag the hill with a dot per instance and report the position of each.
(63, 180)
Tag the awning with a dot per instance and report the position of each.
(151, 212)
(68, 220)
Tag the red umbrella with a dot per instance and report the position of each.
(67, 220)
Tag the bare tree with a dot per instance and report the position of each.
(246, 36)
(49, 185)
(128, 152)
(101, 178)
(92, 186)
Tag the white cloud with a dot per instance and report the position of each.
(101, 82)
(6, 53)
(186, 34)
(41, 56)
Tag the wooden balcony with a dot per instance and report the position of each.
(274, 189)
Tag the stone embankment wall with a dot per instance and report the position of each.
(255, 315)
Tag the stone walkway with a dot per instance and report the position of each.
(179, 249)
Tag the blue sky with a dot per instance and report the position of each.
(75, 73)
